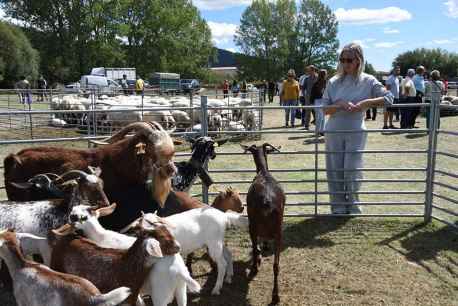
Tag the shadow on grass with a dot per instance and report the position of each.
(307, 234)
(231, 294)
(416, 135)
(429, 247)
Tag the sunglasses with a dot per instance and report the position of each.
(344, 60)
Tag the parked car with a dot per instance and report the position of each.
(103, 85)
(72, 88)
(187, 85)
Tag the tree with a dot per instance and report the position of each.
(317, 41)
(17, 57)
(369, 69)
(275, 36)
(442, 60)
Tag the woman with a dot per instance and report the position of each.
(289, 96)
(351, 92)
(433, 87)
(315, 95)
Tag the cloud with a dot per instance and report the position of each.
(388, 44)
(222, 33)
(370, 40)
(361, 43)
(361, 16)
(389, 30)
(452, 8)
(209, 5)
(443, 41)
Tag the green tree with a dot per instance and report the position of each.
(275, 36)
(442, 60)
(17, 57)
(317, 41)
(369, 69)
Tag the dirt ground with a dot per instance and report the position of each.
(337, 261)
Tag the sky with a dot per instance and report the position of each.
(385, 28)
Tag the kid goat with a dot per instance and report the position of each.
(37, 285)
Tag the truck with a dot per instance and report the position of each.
(165, 82)
(115, 73)
(103, 85)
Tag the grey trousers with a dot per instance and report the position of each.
(343, 182)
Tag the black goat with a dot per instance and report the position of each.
(265, 206)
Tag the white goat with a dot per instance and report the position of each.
(200, 227)
(169, 277)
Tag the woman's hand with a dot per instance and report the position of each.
(347, 106)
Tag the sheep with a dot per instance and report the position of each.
(162, 116)
(200, 227)
(169, 276)
(181, 118)
(37, 285)
(265, 206)
(82, 257)
(202, 150)
(249, 120)
(143, 161)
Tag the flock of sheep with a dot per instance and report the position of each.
(174, 115)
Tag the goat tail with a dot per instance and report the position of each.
(113, 298)
(193, 286)
(237, 220)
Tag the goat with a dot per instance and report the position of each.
(143, 161)
(82, 257)
(179, 202)
(265, 206)
(39, 217)
(201, 227)
(37, 285)
(169, 276)
(202, 150)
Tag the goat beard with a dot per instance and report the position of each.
(162, 186)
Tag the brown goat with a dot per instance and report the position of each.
(179, 202)
(37, 285)
(111, 268)
(265, 206)
(142, 162)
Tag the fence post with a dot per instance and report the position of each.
(434, 117)
(204, 132)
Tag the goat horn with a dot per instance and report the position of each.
(136, 126)
(73, 174)
(36, 177)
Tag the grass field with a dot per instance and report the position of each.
(336, 261)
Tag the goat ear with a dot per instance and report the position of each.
(221, 141)
(64, 230)
(177, 142)
(95, 170)
(244, 147)
(25, 185)
(270, 148)
(105, 211)
(153, 247)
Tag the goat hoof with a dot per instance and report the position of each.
(275, 300)
(215, 291)
(251, 273)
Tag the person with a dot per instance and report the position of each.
(315, 95)
(125, 85)
(271, 87)
(350, 92)
(392, 84)
(42, 85)
(374, 114)
(309, 82)
(408, 94)
(432, 88)
(226, 88)
(289, 96)
(302, 94)
(23, 88)
(243, 89)
(139, 86)
(235, 88)
(419, 82)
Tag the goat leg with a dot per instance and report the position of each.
(189, 262)
(275, 297)
(256, 254)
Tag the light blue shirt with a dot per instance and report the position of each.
(350, 89)
(419, 82)
(393, 82)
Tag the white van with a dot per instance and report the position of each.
(103, 84)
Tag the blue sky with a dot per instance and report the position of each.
(385, 28)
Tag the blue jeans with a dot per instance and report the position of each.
(290, 112)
